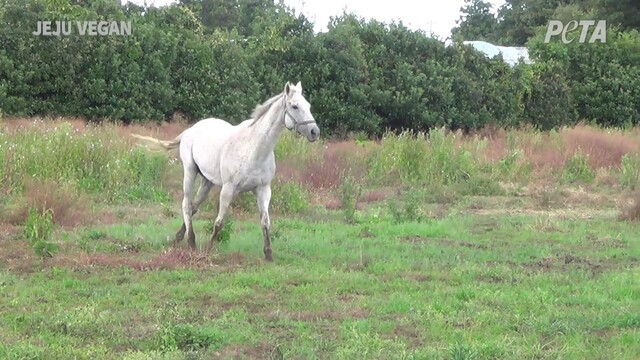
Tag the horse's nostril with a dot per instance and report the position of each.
(313, 132)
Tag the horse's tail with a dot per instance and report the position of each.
(160, 144)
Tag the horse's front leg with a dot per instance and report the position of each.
(263, 197)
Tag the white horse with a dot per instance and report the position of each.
(238, 158)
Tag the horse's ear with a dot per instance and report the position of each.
(287, 88)
(299, 86)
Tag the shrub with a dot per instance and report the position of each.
(577, 169)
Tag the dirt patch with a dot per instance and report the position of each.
(18, 257)
(571, 262)
(606, 333)
(563, 262)
(495, 279)
(333, 315)
(453, 243)
(565, 259)
(491, 279)
(438, 211)
(415, 239)
(561, 214)
(409, 333)
(366, 233)
(233, 259)
(263, 350)
(608, 242)
(417, 277)
(484, 226)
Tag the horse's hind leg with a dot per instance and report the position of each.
(226, 196)
(187, 206)
(201, 196)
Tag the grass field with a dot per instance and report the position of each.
(504, 245)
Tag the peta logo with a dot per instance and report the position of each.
(556, 27)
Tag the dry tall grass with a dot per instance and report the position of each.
(320, 167)
(69, 208)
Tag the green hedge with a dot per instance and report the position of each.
(206, 58)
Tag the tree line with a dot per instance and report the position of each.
(203, 58)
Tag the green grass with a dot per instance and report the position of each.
(457, 257)
(456, 287)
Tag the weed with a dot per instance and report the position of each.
(39, 225)
(93, 235)
(548, 197)
(168, 212)
(187, 337)
(577, 169)
(225, 232)
(350, 192)
(513, 167)
(245, 202)
(446, 163)
(38, 229)
(630, 171)
(632, 212)
(480, 185)
(289, 198)
(409, 208)
(461, 351)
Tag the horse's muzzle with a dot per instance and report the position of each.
(313, 132)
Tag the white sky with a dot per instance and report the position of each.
(437, 16)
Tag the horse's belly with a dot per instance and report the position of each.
(252, 182)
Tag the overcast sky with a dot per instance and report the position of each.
(437, 16)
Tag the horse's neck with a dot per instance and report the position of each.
(267, 131)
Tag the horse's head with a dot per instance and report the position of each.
(298, 115)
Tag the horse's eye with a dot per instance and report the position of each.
(295, 107)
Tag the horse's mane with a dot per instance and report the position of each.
(260, 110)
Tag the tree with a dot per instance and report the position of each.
(476, 22)
(519, 18)
(625, 13)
